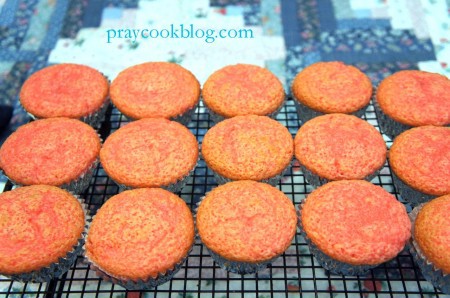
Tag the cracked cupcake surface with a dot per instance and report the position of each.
(248, 148)
(243, 89)
(149, 153)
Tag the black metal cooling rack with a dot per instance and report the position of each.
(295, 274)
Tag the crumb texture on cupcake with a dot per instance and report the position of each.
(38, 225)
(140, 233)
(155, 89)
(355, 222)
(52, 151)
(420, 157)
(246, 221)
(332, 87)
(415, 98)
(64, 90)
(149, 153)
(339, 146)
(248, 147)
(432, 232)
(243, 89)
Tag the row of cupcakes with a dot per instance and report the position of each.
(140, 238)
(403, 100)
(157, 152)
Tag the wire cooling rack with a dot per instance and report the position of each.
(295, 274)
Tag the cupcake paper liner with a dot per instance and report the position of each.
(231, 266)
(272, 180)
(316, 181)
(77, 186)
(388, 126)
(432, 274)
(408, 194)
(216, 118)
(305, 113)
(150, 283)
(57, 269)
(330, 264)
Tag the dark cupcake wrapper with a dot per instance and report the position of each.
(57, 269)
(330, 264)
(228, 265)
(305, 113)
(432, 274)
(272, 180)
(216, 118)
(316, 181)
(409, 194)
(150, 283)
(77, 186)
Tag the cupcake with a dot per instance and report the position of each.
(156, 90)
(430, 243)
(41, 231)
(66, 90)
(420, 163)
(411, 98)
(339, 147)
(330, 87)
(245, 225)
(242, 89)
(140, 238)
(152, 152)
(55, 151)
(248, 148)
(352, 226)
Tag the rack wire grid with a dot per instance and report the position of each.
(294, 274)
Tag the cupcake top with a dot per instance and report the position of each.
(355, 222)
(52, 151)
(149, 153)
(248, 148)
(140, 233)
(332, 87)
(339, 146)
(243, 89)
(416, 98)
(64, 90)
(246, 221)
(39, 224)
(155, 89)
(420, 157)
(431, 232)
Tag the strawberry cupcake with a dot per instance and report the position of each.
(245, 225)
(420, 163)
(140, 238)
(242, 89)
(156, 90)
(61, 152)
(152, 152)
(66, 90)
(248, 148)
(330, 87)
(339, 147)
(411, 98)
(352, 226)
(42, 231)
